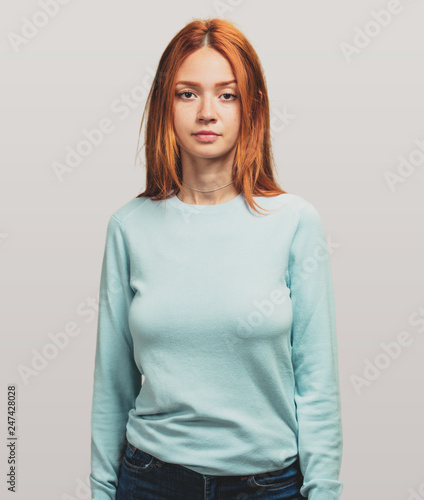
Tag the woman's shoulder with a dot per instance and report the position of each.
(123, 212)
(297, 203)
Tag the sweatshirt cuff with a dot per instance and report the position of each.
(319, 494)
(103, 496)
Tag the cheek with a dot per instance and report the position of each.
(234, 116)
(234, 121)
(177, 126)
(180, 119)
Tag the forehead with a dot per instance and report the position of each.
(205, 67)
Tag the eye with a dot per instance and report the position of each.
(185, 92)
(235, 97)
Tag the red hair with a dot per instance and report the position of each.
(253, 167)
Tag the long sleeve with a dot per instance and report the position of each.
(117, 379)
(314, 359)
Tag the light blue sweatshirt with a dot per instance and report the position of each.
(229, 315)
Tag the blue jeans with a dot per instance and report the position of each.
(144, 477)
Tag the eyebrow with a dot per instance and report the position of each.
(197, 84)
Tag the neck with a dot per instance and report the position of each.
(207, 195)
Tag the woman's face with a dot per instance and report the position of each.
(209, 102)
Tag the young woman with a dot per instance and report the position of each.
(227, 310)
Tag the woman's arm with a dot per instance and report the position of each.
(314, 358)
(117, 380)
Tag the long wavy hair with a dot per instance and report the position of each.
(253, 167)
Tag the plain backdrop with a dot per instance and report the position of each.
(348, 136)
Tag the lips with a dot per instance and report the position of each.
(206, 132)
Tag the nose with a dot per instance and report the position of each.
(207, 111)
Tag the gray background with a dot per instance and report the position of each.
(339, 126)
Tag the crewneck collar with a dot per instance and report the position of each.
(220, 208)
